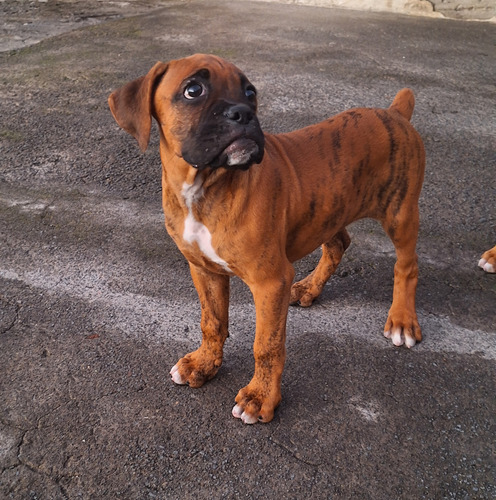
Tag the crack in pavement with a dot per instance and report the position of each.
(17, 308)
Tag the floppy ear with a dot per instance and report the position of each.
(131, 105)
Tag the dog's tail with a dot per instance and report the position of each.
(404, 102)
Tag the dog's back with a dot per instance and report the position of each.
(370, 160)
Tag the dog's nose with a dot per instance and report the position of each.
(240, 113)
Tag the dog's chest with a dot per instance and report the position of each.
(195, 231)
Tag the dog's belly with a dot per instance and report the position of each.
(318, 221)
(303, 243)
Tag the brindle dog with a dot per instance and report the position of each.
(241, 202)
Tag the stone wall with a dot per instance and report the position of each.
(466, 9)
(482, 10)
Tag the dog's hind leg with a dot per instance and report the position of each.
(304, 292)
(402, 325)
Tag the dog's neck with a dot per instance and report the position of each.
(176, 176)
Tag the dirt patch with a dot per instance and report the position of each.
(27, 22)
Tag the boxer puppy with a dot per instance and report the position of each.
(238, 201)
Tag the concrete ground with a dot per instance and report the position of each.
(96, 303)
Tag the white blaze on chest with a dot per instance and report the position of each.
(195, 231)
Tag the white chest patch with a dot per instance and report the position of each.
(195, 231)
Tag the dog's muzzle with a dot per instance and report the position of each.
(230, 138)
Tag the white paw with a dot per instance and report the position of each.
(399, 338)
(176, 377)
(484, 264)
(238, 412)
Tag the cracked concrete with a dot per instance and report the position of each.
(96, 303)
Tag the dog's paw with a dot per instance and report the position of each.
(488, 261)
(245, 417)
(195, 369)
(400, 336)
(406, 333)
(304, 292)
(251, 407)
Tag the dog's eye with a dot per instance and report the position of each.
(194, 90)
(250, 92)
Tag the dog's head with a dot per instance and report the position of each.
(205, 107)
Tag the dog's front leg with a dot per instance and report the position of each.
(201, 365)
(258, 400)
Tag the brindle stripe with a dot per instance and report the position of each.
(402, 189)
(387, 122)
(359, 173)
(336, 146)
(386, 192)
(356, 116)
(320, 145)
(306, 219)
(313, 203)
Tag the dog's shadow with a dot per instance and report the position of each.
(342, 395)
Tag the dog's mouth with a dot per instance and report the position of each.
(241, 152)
